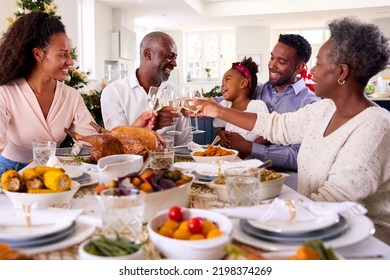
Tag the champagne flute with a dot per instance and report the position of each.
(155, 98)
(173, 96)
(195, 108)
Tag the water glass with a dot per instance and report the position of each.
(42, 151)
(243, 186)
(169, 142)
(123, 212)
(163, 159)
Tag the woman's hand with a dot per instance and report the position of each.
(146, 119)
(210, 108)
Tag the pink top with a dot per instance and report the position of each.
(22, 120)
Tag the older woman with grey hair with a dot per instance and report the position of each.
(345, 138)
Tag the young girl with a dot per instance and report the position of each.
(238, 84)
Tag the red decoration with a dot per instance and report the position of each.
(307, 77)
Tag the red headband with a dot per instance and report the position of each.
(244, 70)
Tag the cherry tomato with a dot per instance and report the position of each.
(195, 225)
(175, 213)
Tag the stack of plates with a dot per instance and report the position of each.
(23, 236)
(325, 228)
(64, 152)
(84, 178)
(343, 231)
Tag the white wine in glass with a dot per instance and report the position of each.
(195, 108)
(155, 98)
(174, 101)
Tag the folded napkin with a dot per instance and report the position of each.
(194, 147)
(293, 210)
(38, 216)
(76, 149)
(54, 162)
(212, 169)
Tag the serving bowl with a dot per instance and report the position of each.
(210, 159)
(84, 255)
(43, 200)
(158, 201)
(268, 189)
(205, 249)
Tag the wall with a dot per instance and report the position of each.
(385, 26)
(255, 40)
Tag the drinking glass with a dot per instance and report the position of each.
(42, 151)
(156, 98)
(243, 186)
(186, 94)
(173, 97)
(123, 212)
(162, 159)
(194, 107)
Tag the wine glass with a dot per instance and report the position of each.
(194, 107)
(156, 98)
(175, 101)
(186, 93)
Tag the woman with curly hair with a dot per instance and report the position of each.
(35, 105)
(238, 85)
(345, 138)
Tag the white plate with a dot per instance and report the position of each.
(93, 180)
(89, 166)
(360, 228)
(296, 226)
(73, 171)
(208, 169)
(82, 232)
(20, 231)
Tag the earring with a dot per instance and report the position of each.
(340, 82)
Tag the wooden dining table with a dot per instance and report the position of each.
(201, 196)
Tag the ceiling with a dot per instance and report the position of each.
(228, 14)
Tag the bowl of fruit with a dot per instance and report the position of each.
(163, 188)
(183, 233)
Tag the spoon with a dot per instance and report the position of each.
(216, 140)
(265, 164)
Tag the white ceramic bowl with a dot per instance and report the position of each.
(268, 189)
(158, 201)
(210, 159)
(43, 200)
(84, 255)
(206, 249)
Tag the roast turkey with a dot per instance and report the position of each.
(120, 140)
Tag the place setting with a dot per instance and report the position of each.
(283, 224)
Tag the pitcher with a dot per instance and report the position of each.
(112, 167)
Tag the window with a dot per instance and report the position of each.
(209, 50)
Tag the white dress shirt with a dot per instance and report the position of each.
(124, 100)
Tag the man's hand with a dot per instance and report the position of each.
(261, 140)
(237, 142)
(165, 117)
(224, 141)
